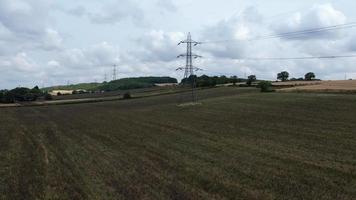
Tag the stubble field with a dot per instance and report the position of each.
(346, 86)
(237, 144)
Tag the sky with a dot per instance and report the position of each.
(47, 42)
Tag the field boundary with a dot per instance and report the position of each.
(89, 100)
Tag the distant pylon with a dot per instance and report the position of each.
(189, 68)
(114, 77)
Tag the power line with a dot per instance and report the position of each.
(303, 33)
(293, 58)
(294, 34)
(302, 58)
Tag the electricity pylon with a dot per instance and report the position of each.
(189, 68)
(114, 73)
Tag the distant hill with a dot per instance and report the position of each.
(135, 83)
(82, 86)
(121, 84)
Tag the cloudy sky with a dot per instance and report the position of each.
(47, 42)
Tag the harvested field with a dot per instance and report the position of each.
(348, 86)
(236, 144)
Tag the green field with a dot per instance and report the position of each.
(238, 144)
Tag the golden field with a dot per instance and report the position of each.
(347, 86)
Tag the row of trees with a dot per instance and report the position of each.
(135, 83)
(206, 81)
(284, 76)
(211, 81)
(266, 86)
(22, 94)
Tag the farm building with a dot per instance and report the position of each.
(165, 84)
(61, 92)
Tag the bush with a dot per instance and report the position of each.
(127, 95)
(266, 86)
(48, 97)
(6, 97)
(20, 94)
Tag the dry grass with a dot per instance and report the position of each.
(297, 83)
(321, 86)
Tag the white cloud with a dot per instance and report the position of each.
(79, 11)
(118, 11)
(351, 43)
(25, 26)
(19, 62)
(318, 16)
(139, 50)
(167, 5)
(158, 45)
(235, 30)
(53, 63)
(103, 53)
(52, 40)
(239, 28)
(27, 18)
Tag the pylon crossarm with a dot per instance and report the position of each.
(196, 56)
(197, 43)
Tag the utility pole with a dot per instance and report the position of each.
(114, 72)
(189, 68)
(105, 77)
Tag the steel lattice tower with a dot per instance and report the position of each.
(114, 73)
(189, 68)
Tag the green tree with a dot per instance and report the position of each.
(251, 79)
(2, 96)
(309, 76)
(234, 80)
(6, 97)
(203, 81)
(283, 76)
(36, 90)
(266, 86)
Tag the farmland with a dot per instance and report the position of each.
(237, 144)
(347, 86)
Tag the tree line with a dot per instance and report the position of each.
(135, 83)
(211, 81)
(22, 94)
(266, 86)
(284, 76)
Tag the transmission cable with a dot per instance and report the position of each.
(294, 34)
